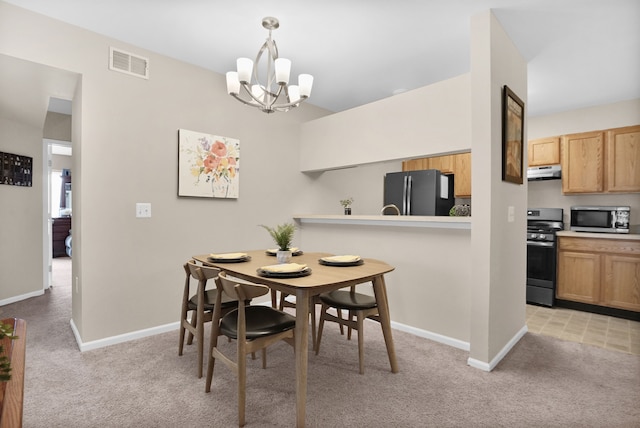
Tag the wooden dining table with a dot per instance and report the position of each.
(321, 280)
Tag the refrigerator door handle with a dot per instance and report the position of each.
(404, 194)
(410, 182)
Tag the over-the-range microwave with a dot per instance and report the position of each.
(600, 219)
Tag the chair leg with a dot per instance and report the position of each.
(182, 330)
(194, 321)
(312, 312)
(339, 312)
(360, 321)
(242, 385)
(349, 328)
(320, 327)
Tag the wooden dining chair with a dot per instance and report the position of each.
(314, 300)
(200, 305)
(254, 328)
(358, 305)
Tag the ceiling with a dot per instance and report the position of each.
(580, 52)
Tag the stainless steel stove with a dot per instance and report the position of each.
(542, 225)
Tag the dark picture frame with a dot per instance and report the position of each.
(512, 136)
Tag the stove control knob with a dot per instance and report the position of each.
(534, 236)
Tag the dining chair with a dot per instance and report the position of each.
(200, 305)
(358, 305)
(254, 328)
(314, 300)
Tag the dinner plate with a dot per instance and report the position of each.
(334, 263)
(293, 253)
(267, 274)
(226, 260)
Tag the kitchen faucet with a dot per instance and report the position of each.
(392, 207)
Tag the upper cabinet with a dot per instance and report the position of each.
(583, 162)
(623, 159)
(544, 151)
(601, 161)
(458, 164)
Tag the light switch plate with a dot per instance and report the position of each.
(511, 212)
(143, 210)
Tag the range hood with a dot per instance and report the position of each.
(551, 172)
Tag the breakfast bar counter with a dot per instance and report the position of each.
(442, 222)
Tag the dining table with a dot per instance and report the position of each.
(322, 278)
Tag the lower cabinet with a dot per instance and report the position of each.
(604, 272)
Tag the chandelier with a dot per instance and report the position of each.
(275, 94)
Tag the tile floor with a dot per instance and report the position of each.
(584, 327)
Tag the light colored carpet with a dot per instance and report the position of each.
(543, 382)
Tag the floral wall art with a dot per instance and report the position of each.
(208, 165)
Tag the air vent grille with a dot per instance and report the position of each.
(128, 63)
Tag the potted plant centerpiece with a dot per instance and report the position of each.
(346, 204)
(282, 235)
(6, 330)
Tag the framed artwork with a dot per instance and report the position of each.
(16, 170)
(208, 165)
(512, 136)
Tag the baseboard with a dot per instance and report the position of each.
(121, 338)
(487, 367)
(21, 297)
(446, 340)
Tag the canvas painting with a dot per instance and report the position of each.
(208, 165)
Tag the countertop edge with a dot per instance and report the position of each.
(623, 236)
(442, 222)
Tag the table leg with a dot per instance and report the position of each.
(380, 291)
(302, 343)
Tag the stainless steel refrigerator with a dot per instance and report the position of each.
(426, 192)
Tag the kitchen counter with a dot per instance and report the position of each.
(441, 222)
(624, 236)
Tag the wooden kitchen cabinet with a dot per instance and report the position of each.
(458, 164)
(582, 160)
(462, 173)
(599, 271)
(623, 159)
(445, 164)
(544, 151)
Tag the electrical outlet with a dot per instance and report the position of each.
(143, 210)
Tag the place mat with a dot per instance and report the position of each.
(294, 251)
(345, 260)
(229, 257)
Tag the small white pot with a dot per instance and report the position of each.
(283, 256)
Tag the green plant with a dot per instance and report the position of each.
(6, 330)
(346, 202)
(282, 234)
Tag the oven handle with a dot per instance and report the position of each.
(540, 244)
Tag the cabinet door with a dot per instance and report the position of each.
(415, 164)
(623, 159)
(443, 163)
(545, 151)
(578, 277)
(462, 175)
(621, 288)
(582, 159)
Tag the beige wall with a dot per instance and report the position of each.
(21, 216)
(125, 151)
(498, 246)
(430, 120)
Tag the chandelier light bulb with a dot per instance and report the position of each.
(233, 84)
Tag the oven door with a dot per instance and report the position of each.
(541, 272)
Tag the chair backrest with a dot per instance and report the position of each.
(201, 273)
(240, 290)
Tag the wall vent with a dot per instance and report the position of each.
(128, 63)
